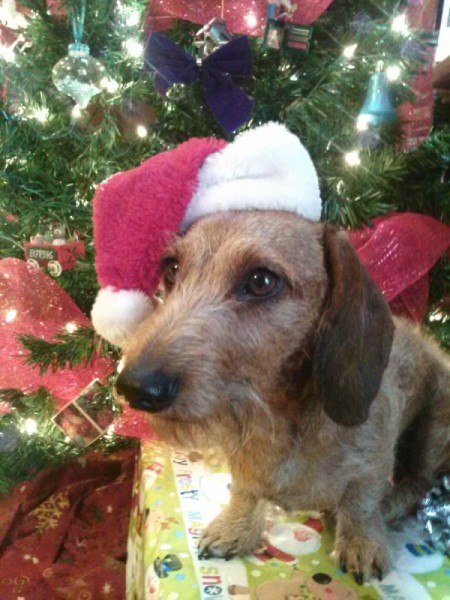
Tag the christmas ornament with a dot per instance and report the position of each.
(33, 303)
(79, 75)
(264, 168)
(377, 108)
(434, 514)
(242, 17)
(54, 251)
(230, 106)
(83, 419)
(281, 33)
(213, 35)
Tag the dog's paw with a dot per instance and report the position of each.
(224, 538)
(361, 557)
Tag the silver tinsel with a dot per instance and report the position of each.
(434, 514)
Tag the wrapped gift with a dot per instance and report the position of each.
(176, 494)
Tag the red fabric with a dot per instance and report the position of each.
(64, 535)
(137, 212)
(241, 16)
(398, 251)
(33, 303)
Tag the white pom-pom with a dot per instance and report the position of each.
(116, 314)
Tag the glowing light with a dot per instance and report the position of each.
(77, 111)
(400, 24)
(132, 18)
(349, 51)
(30, 426)
(71, 327)
(134, 48)
(120, 365)
(7, 53)
(110, 85)
(393, 72)
(362, 122)
(141, 131)
(40, 114)
(352, 158)
(11, 314)
(250, 19)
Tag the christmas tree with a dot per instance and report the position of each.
(342, 75)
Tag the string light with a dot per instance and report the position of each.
(30, 426)
(393, 72)
(349, 51)
(352, 158)
(11, 314)
(76, 111)
(400, 24)
(250, 19)
(362, 122)
(71, 327)
(110, 85)
(134, 48)
(7, 53)
(41, 114)
(141, 131)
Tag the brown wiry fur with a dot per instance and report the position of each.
(317, 395)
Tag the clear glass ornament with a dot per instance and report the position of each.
(79, 75)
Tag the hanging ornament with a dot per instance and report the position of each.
(212, 36)
(79, 75)
(87, 417)
(377, 109)
(230, 106)
(281, 33)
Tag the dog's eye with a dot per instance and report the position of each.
(170, 272)
(261, 283)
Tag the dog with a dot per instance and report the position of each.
(273, 342)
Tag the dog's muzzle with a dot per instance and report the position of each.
(152, 391)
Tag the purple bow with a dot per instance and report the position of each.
(230, 106)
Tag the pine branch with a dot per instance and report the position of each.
(68, 349)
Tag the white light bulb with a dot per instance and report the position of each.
(110, 85)
(134, 48)
(349, 51)
(11, 314)
(400, 24)
(141, 131)
(362, 122)
(133, 18)
(30, 426)
(393, 72)
(7, 53)
(40, 114)
(77, 111)
(250, 19)
(352, 158)
(71, 327)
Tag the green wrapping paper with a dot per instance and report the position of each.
(176, 494)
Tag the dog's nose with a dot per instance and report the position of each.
(147, 390)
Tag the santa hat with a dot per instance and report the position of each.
(137, 212)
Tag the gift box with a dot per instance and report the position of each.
(176, 494)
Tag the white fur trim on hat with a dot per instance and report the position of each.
(117, 314)
(264, 168)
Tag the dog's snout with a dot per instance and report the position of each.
(147, 390)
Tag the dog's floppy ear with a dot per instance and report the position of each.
(354, 337)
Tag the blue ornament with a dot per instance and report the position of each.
(377, 108)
